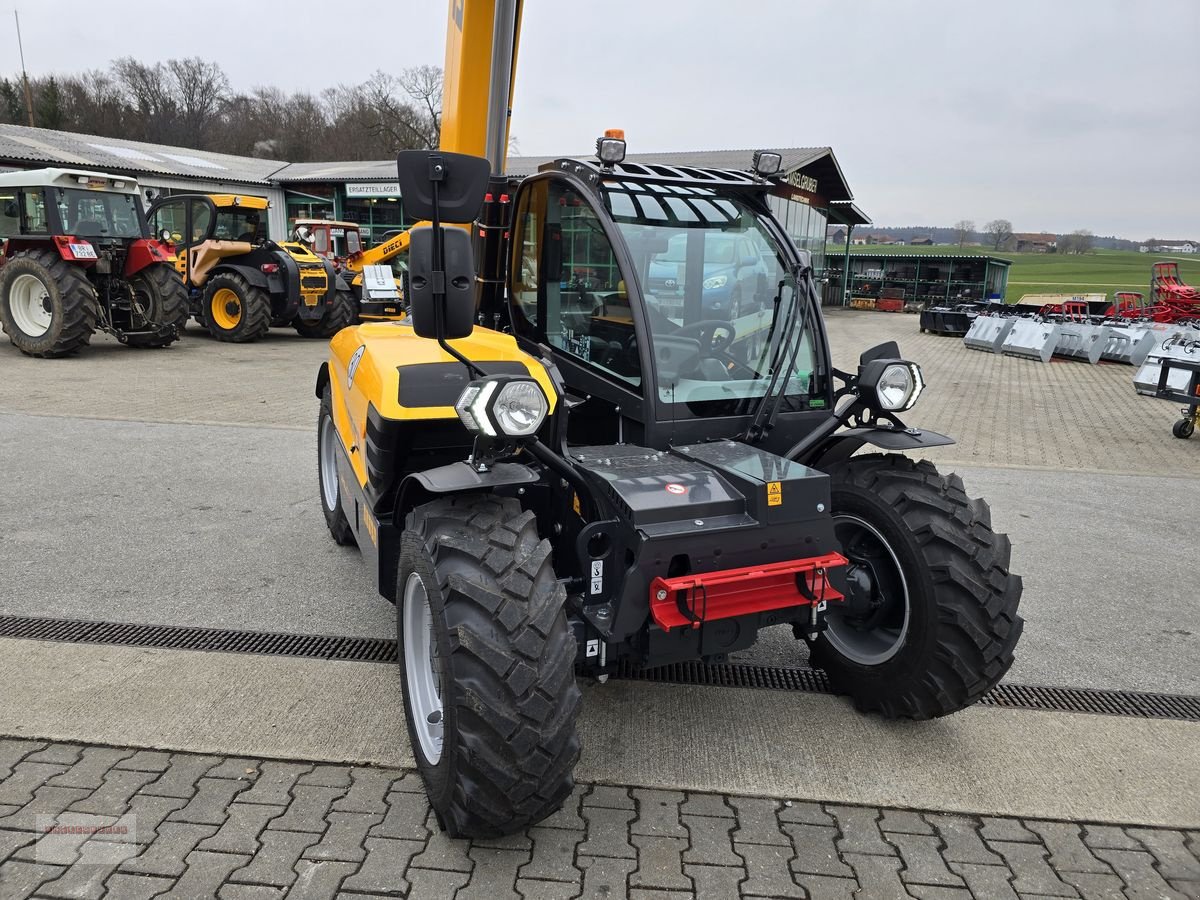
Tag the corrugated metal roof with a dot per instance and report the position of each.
(353, 170)
(41, 145)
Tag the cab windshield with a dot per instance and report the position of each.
(721, 302)
(238, 224)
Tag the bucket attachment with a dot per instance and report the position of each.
(988, 332)
(1081, 341)
(1184, 349)
(1031, 338)
(1129, 344)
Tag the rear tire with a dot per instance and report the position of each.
(48, 307)
(945, 625)
(165, 299)
(234, 310)
(489, 665)
(327, 478)
(340, 314)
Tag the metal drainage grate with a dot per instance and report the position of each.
(175, 637)
(1135, 704)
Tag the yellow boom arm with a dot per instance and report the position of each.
(477, 88)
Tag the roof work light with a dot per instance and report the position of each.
(610, 149)
(767, 163)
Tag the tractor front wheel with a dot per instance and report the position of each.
(488, 662)
(47, 306)
(159, 290)
(339, 314)
(930, 617)
(235, 310)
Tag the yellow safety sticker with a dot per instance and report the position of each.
(774, 493)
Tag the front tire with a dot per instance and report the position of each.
(160, 291)
(930, 621)
(327, 474)
(340, 314)
(47, 306)
(488, 662)
(234, 310)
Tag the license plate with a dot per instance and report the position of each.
(83, 251)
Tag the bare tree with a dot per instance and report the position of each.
(200, 87)
(962, 230)
(148, 91)
(998, 231)
(424, 85)
(1079, 242)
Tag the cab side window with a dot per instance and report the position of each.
(565, 283)
(169, 216)
(10, 219)
(33, 212)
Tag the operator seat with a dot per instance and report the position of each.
(90, 228)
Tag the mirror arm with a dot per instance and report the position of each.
(436, 173)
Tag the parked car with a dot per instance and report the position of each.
(735, 276)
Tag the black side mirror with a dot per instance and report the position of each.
(439, 186)
(458, 313)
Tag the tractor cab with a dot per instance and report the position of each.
(671, 298)
(334, 240)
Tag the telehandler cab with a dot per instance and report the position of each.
(605, 475)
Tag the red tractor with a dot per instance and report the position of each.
(77, 256)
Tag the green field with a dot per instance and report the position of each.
(1049, 273)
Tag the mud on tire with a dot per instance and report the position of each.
(505, 657)
(69, 296)
(962, 623)
(338, 315)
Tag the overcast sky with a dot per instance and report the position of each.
(1055, 114)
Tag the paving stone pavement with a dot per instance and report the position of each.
(132, 825)
(1003, 411)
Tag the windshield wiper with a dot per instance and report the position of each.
(767, 409)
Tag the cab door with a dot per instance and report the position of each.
(568, 290)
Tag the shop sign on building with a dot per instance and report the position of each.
(373, 189)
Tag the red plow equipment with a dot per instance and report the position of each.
(1172, 299)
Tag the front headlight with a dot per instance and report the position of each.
(717, 281)
(503, 405)
(899, 386)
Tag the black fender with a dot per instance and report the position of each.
(456, 478)
(322, 379)
(340, 284)
(252, 274)
(840, 447)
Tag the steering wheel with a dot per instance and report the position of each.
(706, 330)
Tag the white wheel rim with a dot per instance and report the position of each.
(28, 299)
(420, 675)
(327, 454)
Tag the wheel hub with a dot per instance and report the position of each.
(872, 625)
